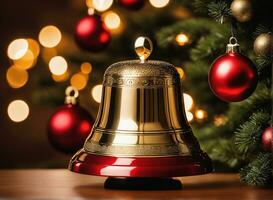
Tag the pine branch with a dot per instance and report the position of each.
(219, 10)
(248, 136)
(259, 171)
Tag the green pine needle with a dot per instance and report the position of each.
(219, 10)
(259, 171)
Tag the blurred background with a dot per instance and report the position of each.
(44, 50)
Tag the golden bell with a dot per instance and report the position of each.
(141, 128)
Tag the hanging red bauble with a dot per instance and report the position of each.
(69, 125)
(91, 34)
(233, 76)
(132, 4)
(267, 139)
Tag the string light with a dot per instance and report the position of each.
(16, 77)
(18, 110)
(79, 81)
(200, 114)
(50, 36)
(17, 49)
(57, 65)
(96, 93)
(159, 3)
(102, 5)
(111, 20)
(188, 101)
(189, 116)
(182, 39)
(180, 72)
(86, 68)
(220, 120)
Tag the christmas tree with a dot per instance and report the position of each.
(190, 35)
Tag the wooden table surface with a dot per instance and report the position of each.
(63, 184)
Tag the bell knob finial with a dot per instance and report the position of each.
(71, 95)
(143, 48)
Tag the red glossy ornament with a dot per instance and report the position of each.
(91, 34)
(132, 4)
(267, 139)
(69, 126)
(233, 76)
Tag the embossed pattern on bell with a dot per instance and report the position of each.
(141, 113)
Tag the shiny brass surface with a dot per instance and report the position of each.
(141, 113)
(143, 48)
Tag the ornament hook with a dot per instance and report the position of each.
(233, 46)
(143, 48)
(71, 95)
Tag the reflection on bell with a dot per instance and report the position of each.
(141, 128)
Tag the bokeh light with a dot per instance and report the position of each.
(34, 47)
(79, 81)
(17, 49)
(86, 68)
(182, 39)
(188, 101)
(26, 62)
(60, 78)
(180, 72)
(200, 114)
(220, 120)
(189, 116)
(50, 36)
(16, 77)
(101, 5)
(159, 3)
(111, 20)
(96, 93)
(58, 65)
(18, 110)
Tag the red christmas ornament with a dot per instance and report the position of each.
(132, 4)
(70, 124)
(233, 76)
(91, 34)
(267, 139)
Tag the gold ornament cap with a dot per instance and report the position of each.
(143, 48)
(233, 46)
(72, 95)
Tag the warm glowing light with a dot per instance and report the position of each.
(220, 120)
(34, 47)
(159, 3)
(182, 39)
(102, 5)
(79, 81)
(189, 116)
(111, 20)
(26, 62)
(96, 93)
(91, 11)
(180, 72)
(47, 54)
(125, 139)
(16, 77)
(86, 68)
(18, 110)
(188, 102)
(58, 65)
(200, 114)
(128, 124)
(17, 49)
(60, 78)
(50, 36)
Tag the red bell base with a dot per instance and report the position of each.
(110, 166)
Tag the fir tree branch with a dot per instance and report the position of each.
(219, 10)
(259, 171)
(248, 136)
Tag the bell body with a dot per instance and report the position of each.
(141, 129)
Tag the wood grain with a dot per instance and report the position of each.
(63, 184)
